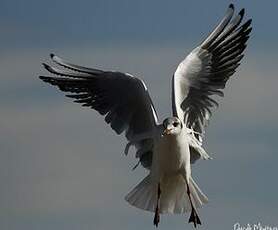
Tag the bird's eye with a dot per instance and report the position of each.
(176, 124)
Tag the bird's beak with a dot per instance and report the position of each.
(166, 131)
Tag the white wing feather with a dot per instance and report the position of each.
(204, 73)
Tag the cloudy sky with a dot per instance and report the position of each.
(62, 168)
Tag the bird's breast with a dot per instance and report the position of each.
(172, 153)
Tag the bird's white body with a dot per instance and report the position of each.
(171, 156)
(171, 169)
(167, 150)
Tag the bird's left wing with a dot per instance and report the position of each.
(122, 98)
(205, 71)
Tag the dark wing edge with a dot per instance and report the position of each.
(204, 73)
(120, 97)
(224, 48)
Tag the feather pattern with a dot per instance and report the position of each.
(205, 71)
(122, 98)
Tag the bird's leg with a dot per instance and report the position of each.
(156, 215)
(193, 216)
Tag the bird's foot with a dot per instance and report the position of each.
(194, 218)
(156, 217)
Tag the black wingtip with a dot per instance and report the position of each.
(232, 6)
(248, 23)
(42, 78)
(45, 65)
(241, 13)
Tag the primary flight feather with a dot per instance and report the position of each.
(165, 149)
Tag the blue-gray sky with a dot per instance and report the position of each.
(61, 167)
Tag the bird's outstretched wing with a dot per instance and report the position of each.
(205, 71)
(120, 97)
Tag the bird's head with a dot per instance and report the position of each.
(172, 126)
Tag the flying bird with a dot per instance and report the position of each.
(165, 149)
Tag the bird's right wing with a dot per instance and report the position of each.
(205, 71)
(122, 98)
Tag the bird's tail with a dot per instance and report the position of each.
(174, 198)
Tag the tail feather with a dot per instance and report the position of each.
(143, 195)
(174, 198)
(203, 198)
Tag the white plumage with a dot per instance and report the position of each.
(166, 149)
(171, 165)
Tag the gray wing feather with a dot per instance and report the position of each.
(121, 98)
(220, 27)
(205, 71)
(73, 67)
(207, 68)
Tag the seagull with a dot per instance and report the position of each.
(165, 149)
